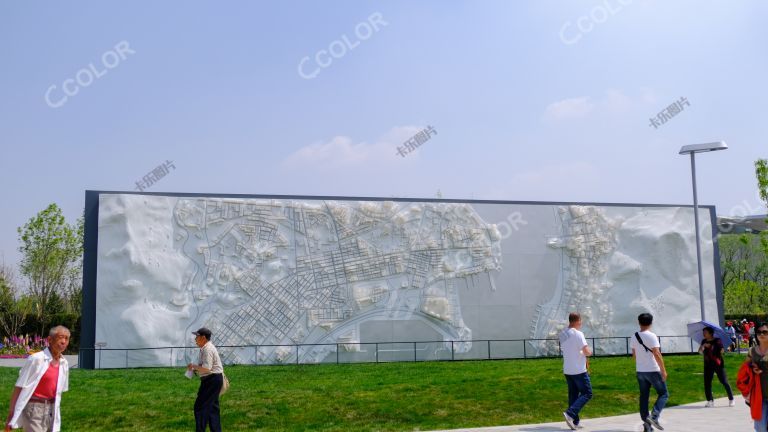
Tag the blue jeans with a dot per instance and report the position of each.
(646, 380)
(579, 393)
(762, 424)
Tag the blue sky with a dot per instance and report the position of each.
(531, 100)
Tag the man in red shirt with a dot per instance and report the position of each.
(36, 398)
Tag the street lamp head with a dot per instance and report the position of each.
(701, 148)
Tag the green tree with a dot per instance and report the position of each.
(51, 259)
(13, 314)
(72, 289)
(744, 262)
(761, 172)
(742, 258)
(745, 297)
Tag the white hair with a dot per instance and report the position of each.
(57, 329)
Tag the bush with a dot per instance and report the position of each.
(68, 320)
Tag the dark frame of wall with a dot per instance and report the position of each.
(91, 242)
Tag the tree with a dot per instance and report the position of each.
(72, 288)
(742, 258)
(746, 297)
(761, 172)
(51, 257)
(13, 314)
(744, 262)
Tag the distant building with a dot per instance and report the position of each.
(742, 224)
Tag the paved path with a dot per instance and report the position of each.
(684, 418)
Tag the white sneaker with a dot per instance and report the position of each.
(709, 404)
(731, 403)
(569, 421)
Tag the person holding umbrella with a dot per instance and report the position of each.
(712, 348)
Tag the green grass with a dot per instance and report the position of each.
(363, 397)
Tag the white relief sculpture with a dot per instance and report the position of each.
(613, 268)
(265, 273)
(588, 240)
(268, 274)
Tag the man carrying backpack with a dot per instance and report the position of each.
(650, 371)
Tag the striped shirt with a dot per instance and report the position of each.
(209, 359)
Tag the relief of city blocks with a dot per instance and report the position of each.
(333, 276)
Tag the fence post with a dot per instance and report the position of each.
(525, 354)
(489, 349)
(414, 351)
(297, 354)
(337, 353)
(126, 359)
(255, 355)
(593, 346)
(559, 348)
(453, 355)
(626, 339)
(691, 345)
(377, 352)
(659, 343)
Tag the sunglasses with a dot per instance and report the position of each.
(762, 333)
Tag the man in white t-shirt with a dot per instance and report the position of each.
(650, 371)
(575, 352)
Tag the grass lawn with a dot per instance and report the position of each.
(363, 397)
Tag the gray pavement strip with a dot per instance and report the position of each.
(684, 418)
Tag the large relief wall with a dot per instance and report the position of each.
(333, 276)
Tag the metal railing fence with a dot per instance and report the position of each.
(370, 352)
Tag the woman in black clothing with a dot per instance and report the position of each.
(712, 348)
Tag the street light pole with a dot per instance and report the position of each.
(693, 149)
(698, 234)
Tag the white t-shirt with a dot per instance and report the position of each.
(572, 342)
(644, 360)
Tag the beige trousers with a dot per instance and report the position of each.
(37, 417)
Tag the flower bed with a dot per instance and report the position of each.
(22, 346)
